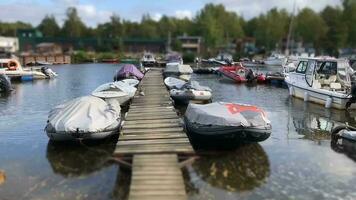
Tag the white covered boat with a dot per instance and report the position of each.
(226, 124)
(131, 82)
(174, 83)
(122, 91)
(275, 60)
(325, 81)
(85, 117)
(13, 69)
(191, 91)
(178, 70)
(148, 60)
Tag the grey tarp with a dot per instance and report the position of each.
(174, 83)
(176, 68)
(226, 114)
(196, 86)
(87, 114)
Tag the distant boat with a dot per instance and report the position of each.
(148, 60)
(275, 60)
(178, 70)
(14, 70)
(240, 74)
(325, 81)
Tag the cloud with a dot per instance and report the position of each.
(157, 16)
(181, 14)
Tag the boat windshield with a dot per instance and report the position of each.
(344, 73)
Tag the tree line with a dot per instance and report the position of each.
(327, 31)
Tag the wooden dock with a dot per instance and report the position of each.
(153, 136)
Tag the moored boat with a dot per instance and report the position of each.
(148, 60)
(128, 71)
(84, 118)
(191, 91)
(13, 69)
(222, 124)
(178, 70)
(123, 91)
(174, 83)
(325, 81)
(240, 74)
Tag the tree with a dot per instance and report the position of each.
(336, 35)
(310, 27)
(9, 29)
(49, 26)
(73, 25)
(349, 17)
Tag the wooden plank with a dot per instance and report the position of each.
(150, 142)
(152, 125)
(158, 130)
(137, 118)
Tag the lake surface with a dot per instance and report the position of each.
(296, 162)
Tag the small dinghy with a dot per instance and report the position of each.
(123, 91)
(131, 82)
(128, 71)
(191, 91)
(225, 125)
(178, 70)
(174, 83)
(344, 132)
(240, 74)
(85, 117)
(5, 84)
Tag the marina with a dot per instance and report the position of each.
(299, 146)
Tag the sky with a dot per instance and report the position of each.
(93, 12)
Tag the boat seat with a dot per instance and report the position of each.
(331, 79)
(316, 84)
(335, 86)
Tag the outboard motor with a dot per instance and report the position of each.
(48, 72)
(250, 76)
(5, 84)
(353, 95)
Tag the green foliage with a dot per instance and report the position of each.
(81, 57)
(49, 26)
(349, 16)
(188, 57)
(9, 29)
(73, 25)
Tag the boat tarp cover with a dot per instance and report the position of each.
(196, 86)
(178, 68)
(351, 135)
(87, 114)
(128, 70)
(226, 114)
(132, 82)
(119, 85)
(174, 83)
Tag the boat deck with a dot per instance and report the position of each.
(153, 136)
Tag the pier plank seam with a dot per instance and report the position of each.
(152, 133)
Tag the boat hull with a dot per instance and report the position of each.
(319, 96)
(218, 137)
(61, 137)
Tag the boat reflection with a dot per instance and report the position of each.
(72, 160)
(314, 122)
(240, 170)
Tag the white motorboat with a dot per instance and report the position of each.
(178, 70)
(13, 69)
(191, 91)
(221, 124)
(275, 60)
(174, 83)
(123, 91)
(85, 117)
(325, 81)
(148, 60)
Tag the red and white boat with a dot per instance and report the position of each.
(241, 74)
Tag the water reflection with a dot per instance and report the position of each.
(240, 170)
(72, 160)
(314, 122)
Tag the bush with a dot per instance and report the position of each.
(188, 57)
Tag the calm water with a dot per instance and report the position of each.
(296, 162)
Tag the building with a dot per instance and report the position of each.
(190, 44)
(9, 44)
(135, 45)
(48, 48)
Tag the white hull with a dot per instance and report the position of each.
(85, 136)
(320, 96)
(275, 62)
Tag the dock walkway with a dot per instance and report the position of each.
(153, 135)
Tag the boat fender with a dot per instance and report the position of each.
(306, 96)
(291, 91)
(328, 102)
